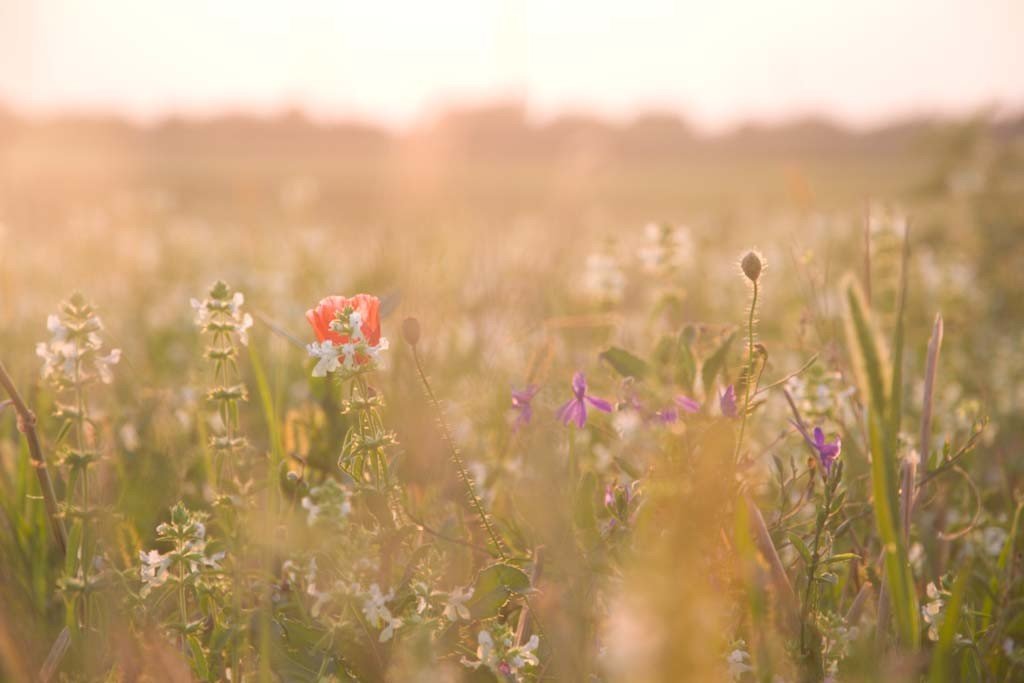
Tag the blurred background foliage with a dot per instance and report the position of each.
(515, 243)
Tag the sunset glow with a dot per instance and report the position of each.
(395, 62)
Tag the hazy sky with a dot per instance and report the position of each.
(716, 61)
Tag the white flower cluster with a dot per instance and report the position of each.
(932, 610)
(327, 503)
(356, 351)
(455, 607)
(603, 278)
(819, 393)
(73, 355)
(154, 570)
(375, 609)
(496, 650)
(838, 639)
(190, 553)
(667, 248)
(738, 661)
(320, 597)
(221, 312)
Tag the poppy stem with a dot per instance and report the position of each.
(464, 475)
(750, 372)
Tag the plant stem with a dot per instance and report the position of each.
(467, 480)
(750, 372)
(27, 426)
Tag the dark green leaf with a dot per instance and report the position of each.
(625, 363)
(493, 587)
(716, 363)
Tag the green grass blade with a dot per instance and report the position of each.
(270, 416)
(868, 363)
(865, 350)
(895, 407)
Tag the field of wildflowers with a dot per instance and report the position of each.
(777, 442)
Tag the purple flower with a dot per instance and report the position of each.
(521, 404)
(667, 416)
(576, 409)
(727, 402)
(687, 404)
(828, 452)
(671, 414)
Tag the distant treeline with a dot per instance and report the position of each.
(498, 131)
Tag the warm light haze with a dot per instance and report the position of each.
(715, 62)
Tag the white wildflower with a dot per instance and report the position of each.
(129, 437)
(603, 279)
(666, 248)
(153, 570)
(327, 355)
(375, 606)
(739, 661)
(455, 608)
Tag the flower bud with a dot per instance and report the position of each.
(411, 331)
(752, 265)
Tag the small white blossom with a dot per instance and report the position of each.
(220, 313)
(153, 570)
(103, 364)
(496, 650)
(392, 624)
(666, 248)
(327, 355)
(603, 279)
(129, 436)
(455, 608)
(739, 661)
(375, 606)
(931, 612)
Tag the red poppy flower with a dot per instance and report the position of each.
(326, 312)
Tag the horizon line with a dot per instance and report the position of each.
(994, 111)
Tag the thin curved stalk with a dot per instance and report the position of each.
(27, 426)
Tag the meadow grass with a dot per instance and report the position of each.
(768, 439)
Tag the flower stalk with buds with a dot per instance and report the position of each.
(348, 347)
(73, 359)
(220, 316)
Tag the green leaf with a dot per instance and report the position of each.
(64, 429)
(199, 664)
(868, 360)
(801, 547)
(625, 363)
(277, 455)
(493, 587)
(74, 544)
(686, 364)
(842, 557)
(895, 407)
(586, 519)
(715, 363)
(828, 577)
